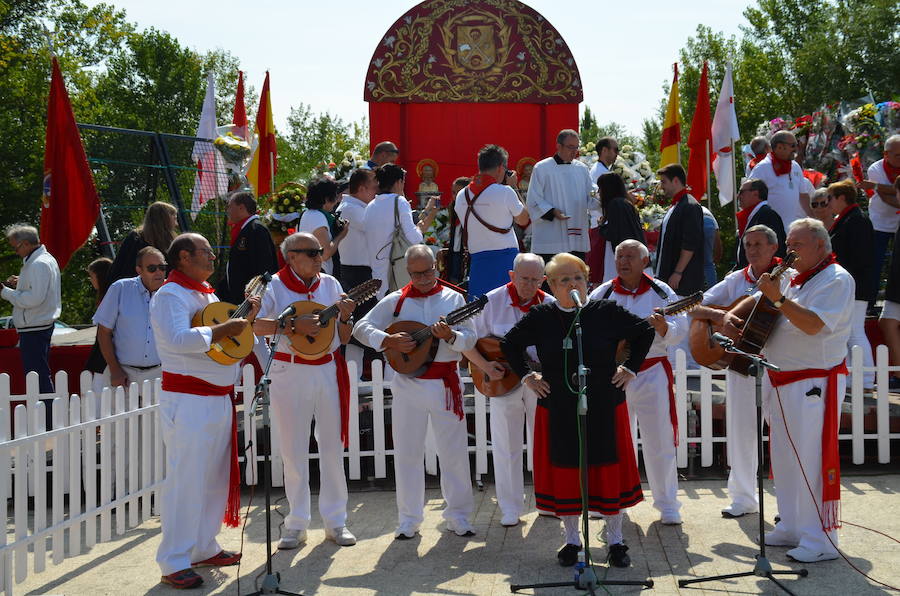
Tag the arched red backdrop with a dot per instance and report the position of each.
(447, 78)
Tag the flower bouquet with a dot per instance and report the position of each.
(652, 215)
(285, 207)
(340, 169)
(634, 169)
(236, 154)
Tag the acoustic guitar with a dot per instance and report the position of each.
(232, 348)
(681, 305)
(489, 348)
(759, 320)
(415, 362)
(312, 348)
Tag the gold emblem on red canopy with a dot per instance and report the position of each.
(475, 44)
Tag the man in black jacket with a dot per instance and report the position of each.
(679, 258)
(755, 211)
(252, 250)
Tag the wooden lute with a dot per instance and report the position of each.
(679, 306)
(415, 362)
(489, 348)
(759, 320)
(311, 348)
(233, 348)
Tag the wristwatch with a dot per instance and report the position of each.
(348, 321)
(780, 302)
(452, 339)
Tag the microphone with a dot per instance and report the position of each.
(288, 312)
(723, 340)
(576, 298)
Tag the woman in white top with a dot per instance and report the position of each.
(379, 220)
(322, 197)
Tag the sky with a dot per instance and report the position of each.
(318, 52)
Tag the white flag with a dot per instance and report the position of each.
(724, 134)
(211, 180)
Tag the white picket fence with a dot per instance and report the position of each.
(104, 456)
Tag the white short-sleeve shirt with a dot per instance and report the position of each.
(497, 204)
(884, 216)
(278, 297)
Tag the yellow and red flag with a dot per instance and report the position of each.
(671, 132)
(264, 164)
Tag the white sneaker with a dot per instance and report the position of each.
(341, 536)
(509, 520)
(805, 555)
(670, 519)
(595, 515)
(291, 539)
(460, 527)
(779, 537)
(406, 530)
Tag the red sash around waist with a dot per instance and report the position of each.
(343, 383)
(831, 462)
(446, 372)
(667, 366)
(177, 383)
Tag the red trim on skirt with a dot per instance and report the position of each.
(611, 487)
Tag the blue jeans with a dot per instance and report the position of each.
(34, 346)
(880, 249)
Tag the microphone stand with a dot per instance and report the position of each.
(587, 577)
(271, 582)
(762, 568)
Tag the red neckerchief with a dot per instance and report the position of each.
(813, 176)
(831, 461)
(890, 171)
(843, 214)
(802, 278)
(410, 291)
(781, 166)
(295, 284)
(236, 229)
(177, 277)
(776, 261)
(743, 218)
(643, 286)
(756, 159)
(679, 195)
(514, 298)
(479, 183)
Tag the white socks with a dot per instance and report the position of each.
(613, 528)
(570, 527)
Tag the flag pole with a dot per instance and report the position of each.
(735, 187)
(708, 176)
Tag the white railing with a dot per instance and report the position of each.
(107, 453)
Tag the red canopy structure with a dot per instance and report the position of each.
(449, 77)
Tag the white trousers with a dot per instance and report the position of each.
(196, 430)
(416, 401)
(648, 409)
(859, 338)
(301, 392)
(135, 375)
(740, 428)
(802, 417)
(509, 416)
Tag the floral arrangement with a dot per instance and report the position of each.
(634, 168)
(285, 207)
(438, 233)
(652, 215)
(889, 115)
(235, 150)
(770, 127)
(340, 169)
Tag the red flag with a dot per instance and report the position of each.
(70, 206)
(240, 112)
(699, 139)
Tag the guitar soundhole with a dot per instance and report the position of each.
(405, 357)
(310, 339)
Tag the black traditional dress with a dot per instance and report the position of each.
(613, 479)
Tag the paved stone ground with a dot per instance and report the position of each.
(439, 562)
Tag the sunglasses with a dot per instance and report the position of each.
(310, 252)
(155, 268)
(819, 204)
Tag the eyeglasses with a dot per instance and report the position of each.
(571, 147)
(208, 251)
(422, 274)
(312, 253)
(820, 204)
(155, 268)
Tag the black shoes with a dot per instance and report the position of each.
(568, 555)
(618, 555)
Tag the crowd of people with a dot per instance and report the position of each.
(366, 229)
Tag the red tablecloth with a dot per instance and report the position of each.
(68, 358)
